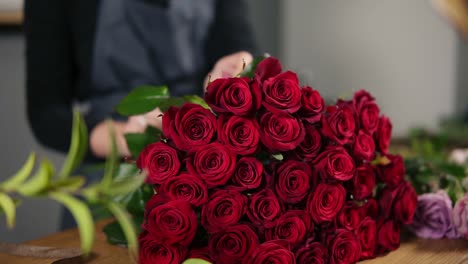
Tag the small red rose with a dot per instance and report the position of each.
(160, 161)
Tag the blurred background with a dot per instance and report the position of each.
(404, 52)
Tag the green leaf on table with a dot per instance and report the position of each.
(112, 162)
(195, 261)
(82, 215)
(18, 179)
(136, 142)
(8, 207)
(40, 181)
(127, 226)
(195, 99)
(126, 186)
(143, 99)
(78, 146)
(249, 70)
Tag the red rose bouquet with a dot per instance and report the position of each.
(265, 172)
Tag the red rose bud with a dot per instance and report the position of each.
(186, 187)
(233, 95)
(364, 147)
(267, 68)
(314, 252)
(399, 203)
(190, 126)
(224, 208)
(313, 105)
(292, 181)
(151, 251)
(344, 248)
(388, 236)
(371, 208)
(393, 173)
(293, 226)
(338, 124)
(272, 252)
(280, 132)
(160, 161)
(233, 245)
(350, 217)
(240, 134)
(170, 222)
(264, 209)
(367, 110)
(325, 202)
(334, 163)
(363, 182)
(282, 93)
(367, 233)
(248, 173)
(383, 135)
(200, 253)
(310, 147)
(214, 163)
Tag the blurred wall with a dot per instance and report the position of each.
(462, 77)
(400, 50)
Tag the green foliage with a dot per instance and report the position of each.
(8, 208)
(136, 142)
(18, 179)
(249, 70)
(196, 261)
(78, 146)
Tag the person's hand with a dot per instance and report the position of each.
(139, 123)
(229, 66)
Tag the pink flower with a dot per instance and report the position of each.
(460, 216)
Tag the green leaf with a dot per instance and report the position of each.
(91, 193)
(126, 186)
(172, 101)
(195, 99)
(83, 218)
(78, 146)
(143, 99)
(112, 162)
(196, 261)
(278, 156)
(127, 226)
(70, 184)
(18, 179)
(249, 70)
(8, 207)
(40, 181)
(137, 201)
(114, 234)
(136, 142)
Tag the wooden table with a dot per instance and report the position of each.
(411, 251)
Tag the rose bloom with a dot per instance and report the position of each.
(367, 110)
(310, 147)
(293, 226)
(393, 173)
(433, 217)
(350, 216)
(363, 182)
(151, 251)
(240, 134)
(282, 93)
(160, 161)
(364, 147)
(388, 236)
(189, 126)
(344, 247)
(272, 252)
(186, 187)
(248, 173)
(224, 208)
(233, 95)
(460, 215)
(335, 164)
(264, 208)
(267, 68)
(280, 132)
(399, 203)
(338, 124)
(371, 208)
(367, 233)
(314, 252)
(200, 253)
(233, 245)
(292, 181)
(313, 105)
(325, 202)
(383, 135)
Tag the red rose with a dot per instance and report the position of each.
(292, 181)
(281, 132)
(388, 236)
(314, 252)
(364, 147)
(151, 251)
(325, 202)
(224, 208)
(313, 105)
(367, 110)
(200, 253)
(233, 245)
(344, 247)
(160, 161)
(371, 208)
(233, 95)
(383, 135)
(338, 124)
(240, 134)
(367, 233)
(399, 203)
(248, 173)
(393, 173)
(214, 163)
(350, 217)
(170, 222)
(293, 226)
(272, 252)
(282, 93)
(363, 182)
(189, 126)
(334, 163)
(267, 68)
(309, 148)
(186, 187)
(264, 208)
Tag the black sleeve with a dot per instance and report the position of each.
(231, 31)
